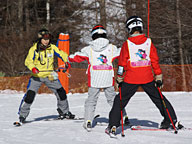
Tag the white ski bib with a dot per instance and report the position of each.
(101, 68)
(139, 54)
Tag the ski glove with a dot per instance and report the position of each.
(119, 79)
(65, 67)
(35, 70)
(159, 81)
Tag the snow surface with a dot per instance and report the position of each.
(39, 130)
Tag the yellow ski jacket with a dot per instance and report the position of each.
(43, 59)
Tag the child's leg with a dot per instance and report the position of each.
(90, 103)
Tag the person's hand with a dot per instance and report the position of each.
(35, 70)
(53, 76)
(64, 67)
(119, 79)
(159, 81)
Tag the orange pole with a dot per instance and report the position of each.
(63, 44)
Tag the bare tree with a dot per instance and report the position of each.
(103, 13)
(48, 11)
(20, 17)
(181, 46)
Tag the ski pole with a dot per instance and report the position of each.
(167, 110)
(68, 74)
(58, 70)
(122, 134)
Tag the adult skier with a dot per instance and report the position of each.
(99, 55)
(40, 60)
(137, 61)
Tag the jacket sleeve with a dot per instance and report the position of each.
(29, 61)
(116, 52)
(155, 60)
(59, 53)
(79, 56)
(124, 56)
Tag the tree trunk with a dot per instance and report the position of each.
(102, 13)
(48, 12)
(180, 47)
(27, 21)
(20, 17)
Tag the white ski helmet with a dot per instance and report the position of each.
(98, 31)
(134, 23)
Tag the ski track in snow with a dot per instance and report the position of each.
(40, 129)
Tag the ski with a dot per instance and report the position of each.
(79, 118)
(142, 128)
(18, 124)
(106, 124)
(96, 116)
(76, 118)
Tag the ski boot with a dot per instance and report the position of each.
(178, 125)
(126, 121)
(67, 115)
(22, 119)
(166, 124)
(20, 122)
(111, 131)
(88, 125)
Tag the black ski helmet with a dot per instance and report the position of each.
(44, 34)
(134, 23)
(98, 31)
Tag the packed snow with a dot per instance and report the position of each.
(42, 129)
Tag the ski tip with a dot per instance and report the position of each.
(98, 115)
(17, 124)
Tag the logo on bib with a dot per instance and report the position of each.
(142, 61)
(103, 59)
(141, 53)
(103, 66)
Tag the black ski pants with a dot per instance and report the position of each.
(128, 90)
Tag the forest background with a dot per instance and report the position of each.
(170, 27)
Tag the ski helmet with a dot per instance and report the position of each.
(44, 34)
(134, 23)
(98, 31)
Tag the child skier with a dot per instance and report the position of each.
(99, 54)
(40, 61)
(137, 58)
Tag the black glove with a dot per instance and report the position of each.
(159, 81)
(159, 84)
(64, 69)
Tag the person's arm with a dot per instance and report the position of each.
(29, 61)
(59, 53)
(124, 56)
(155, 60)
(156, 68)
(116, 52)
(79, 56)
(122, 63)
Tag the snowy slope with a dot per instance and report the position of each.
(40, 131)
